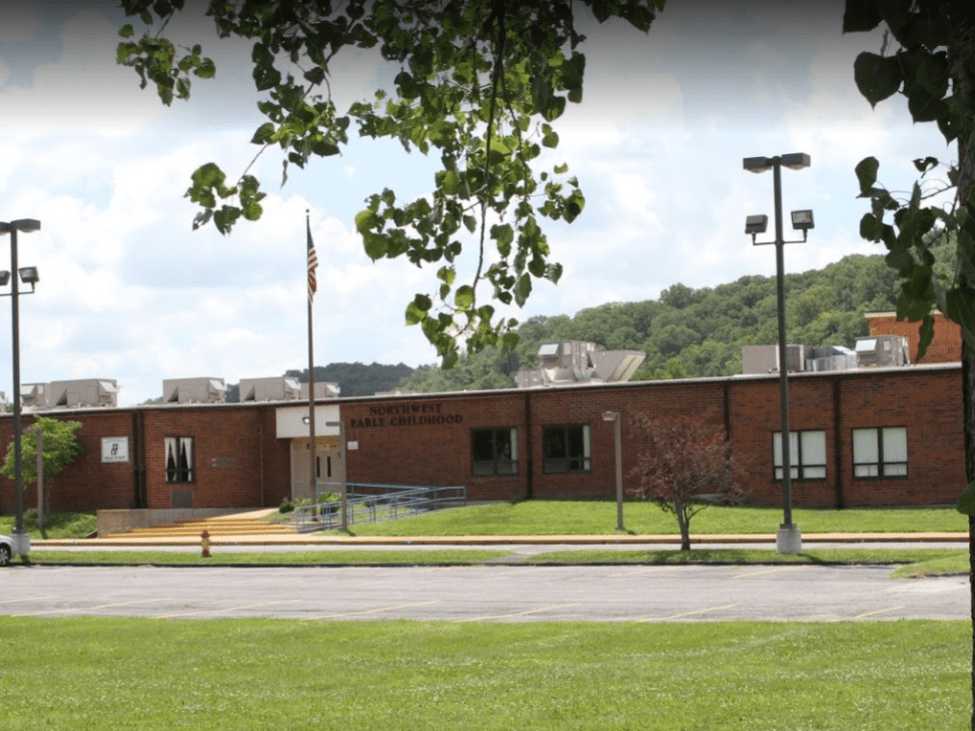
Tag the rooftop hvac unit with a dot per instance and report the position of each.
(275, 388)
(202, 390)
(757, 359)
(879, 351)
(32, 396)
(85, 392)
(579, 361)
(831, 358)
(323, 389)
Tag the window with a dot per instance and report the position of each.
(179, 459)
(566, 448)
(807, 455)
(880, 452)
(495, 451)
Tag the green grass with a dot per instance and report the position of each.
(59, 525)
(828, 556)
(107, 673)
(957, 563)
(547, 517)
(300, 558)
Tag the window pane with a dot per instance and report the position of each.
(865, 446)
(506, 467)
(895, 444)
(553, 440)
(513, 441)
(483, 445)
(777, 452)
(895, 470)
(576, 446)
(865, 470)
(814, 473)
(586, 452)
(778, 473)
(813, 447)
(483, 468)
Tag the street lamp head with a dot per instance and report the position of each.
(756, 224)
(611, 415)
(756, 164)
(796, 160)
(23, 225)
(803, 220)
(29, 275)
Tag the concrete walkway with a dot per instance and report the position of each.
(615, 540)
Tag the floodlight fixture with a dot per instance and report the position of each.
(23, 225)
(611, 415)
(796, 160)
(803, 220)
(29, 275)
(757, 164)
(4, 278)
(757, 224)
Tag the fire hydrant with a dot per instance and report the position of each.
(205, 544)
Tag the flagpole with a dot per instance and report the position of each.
(312, 473)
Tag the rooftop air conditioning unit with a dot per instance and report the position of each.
(87, 392)
(275, 388)
(33, 396)
(204, 390)
(579, 361)
(323, 389)
(757, 359)
(882, 351)
(831, 358)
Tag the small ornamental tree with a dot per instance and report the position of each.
(61, 448)
(683, 466)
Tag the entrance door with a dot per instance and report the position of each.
(330, 467)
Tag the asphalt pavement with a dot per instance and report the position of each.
(485, 593)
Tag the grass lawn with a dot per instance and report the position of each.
(957, 563)
(59, 525)
(825, 556)
(267, 558)
(106, 673)
(542, 517)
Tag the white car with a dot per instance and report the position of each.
(6, 550)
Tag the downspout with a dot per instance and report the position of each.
(726, 409)
(260, 457)
(529, 451)
(838, 444)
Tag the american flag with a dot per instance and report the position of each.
(312, 262)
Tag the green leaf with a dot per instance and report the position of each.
(877, 77)
(523, 289)
(561, 169)
(966, 501)
(126, 31)
(375, 245)
(923, 165)
(365, 221)
(315, 75)
(263, 134)
(450, 182)
(206, 69)
(866, 172)
(860, 16)
(464, 297)
(503, 235)
(470, 223)
(870, 227)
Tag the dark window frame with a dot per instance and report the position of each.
(497, 459)
(179, 477)
(799, 465)
(881, 464)
(586, 461)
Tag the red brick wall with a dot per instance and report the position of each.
(393, 450)
(945, 347)
(86, 484)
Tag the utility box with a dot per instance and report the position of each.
(33, 395)
(882, 351)
(831, 358)
(277, 388)
(203, 390)
(97, 392)
(757, 359)
(579, 361)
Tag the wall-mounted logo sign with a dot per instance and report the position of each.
(115, 449)
(406, 415)
(352, 446)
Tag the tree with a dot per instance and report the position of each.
(933, 65)
(61, 448)
(480, 85)
(683, 466)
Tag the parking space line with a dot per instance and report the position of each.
(212, 610)
(691, 613)
(71, 610)
(26, 599)
(375, 610)
(525, 613)
(878, 611)
(761, 572)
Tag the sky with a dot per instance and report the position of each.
(128, 291)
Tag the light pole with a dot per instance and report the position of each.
(14, 276)
(615, 417)
(789, 537)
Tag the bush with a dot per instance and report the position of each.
(286, 506)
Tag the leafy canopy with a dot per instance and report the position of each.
(61, 448)
(479, 84)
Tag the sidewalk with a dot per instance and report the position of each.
(499, 540)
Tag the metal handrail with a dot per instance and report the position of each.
(396, 501)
